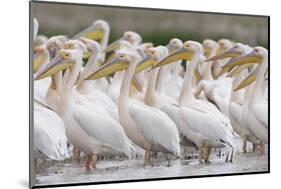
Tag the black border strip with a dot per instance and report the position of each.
(31, 180)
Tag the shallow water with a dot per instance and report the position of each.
(116, 170)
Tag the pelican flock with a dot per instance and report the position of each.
(130, 99)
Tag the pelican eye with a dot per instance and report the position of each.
(70, 46)
(66, 55)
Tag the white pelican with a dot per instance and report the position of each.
(154, 96)
(89, 88)
(237, 103)
(209, 127)
(173, 86)
(86, 127)
(224, 45)
(147, 127)
(217, 91)
(257, 110)
(49, 134)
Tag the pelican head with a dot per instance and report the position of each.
(40, 57)
(132, 37)
(75, 44)
(67, 58)
(185, 53)
(153, 55)
(92, 46)
(174, 44)
(224, 45)
(209, 46)
(39, 40)
(233, 52)
(145, 45)
(98, 31)
(122, 60)
(55, 43)
(256, 56)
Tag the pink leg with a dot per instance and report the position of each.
(262, 149)
(94, 161)
(87, 164)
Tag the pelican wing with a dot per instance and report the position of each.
(260, 110)
(103, 128)
(49, 134)
(172, 110)
(204, 118)
(156, 126)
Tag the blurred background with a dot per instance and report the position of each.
(156, 26)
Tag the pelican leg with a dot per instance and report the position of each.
(87, 163)
(94, 161)
(169, 160)
(231, 157)
(262, 149)
(201, 155)
(76, 154)
(207, 155)
(146, 157)
(244, 146)
(226, 159)
(254, 147)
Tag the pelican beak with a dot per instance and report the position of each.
(38, 58)
(52, 53)
(251, 57)
(56, 65)
(247, 81)
(198, 75)
(96, 35)
(136, 83)
(237, 70)
(207, 52)
(113, 46)
(231, 53)
(181, 54)
(114, 66)
(146, 62)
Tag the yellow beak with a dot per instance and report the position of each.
(37, 62)
(227, 54)
(136, 84)
(198, 75)
(251, 57)
(113, 46)
(181, 54)
(114, 66)
(247, 81)
(237, 70)
(145, 63)
(207, 52)
(56, 65)
(95, 35)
